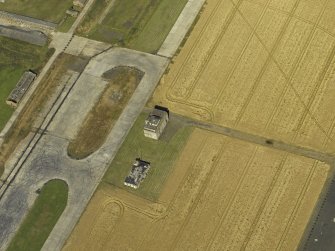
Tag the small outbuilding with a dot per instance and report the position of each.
(137, 173)
(79, 3)
(156, 122)
(72, 12)
(21, 88)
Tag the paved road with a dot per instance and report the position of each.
(47, 158)
(321, 233)
(255, 139)
(81, 16)
(180, 28)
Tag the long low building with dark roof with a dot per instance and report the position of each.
(21, 88)
(30, 36)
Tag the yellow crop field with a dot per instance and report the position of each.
(222, 194)
(266, 67)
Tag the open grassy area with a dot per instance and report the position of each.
(50, 10)
(141, 25)
(16, 57)
(42, 217)
(66, 24)
(123, 82)
(25, 121)
(161, 154)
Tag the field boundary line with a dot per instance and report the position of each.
(295, 68)
(266, 63)
(216, 44)
(294, 16)
(208, 56)
(175, 196)
(264, 202)
(190, 52)
(297, 205)
(199, 195)
(238, 60)
(92, 235)
(126, 204)
(297, 94)
(232, 198)
(320, 81)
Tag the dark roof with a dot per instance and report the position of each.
(153, 120)
(138, 172)
(22, 86)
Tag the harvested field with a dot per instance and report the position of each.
(223, 194)
(122, 83)
(264, 67)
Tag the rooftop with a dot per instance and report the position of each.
(153, 120)
(137, 174)
(22, 86)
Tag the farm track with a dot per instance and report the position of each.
(284, 55)
(244, 136)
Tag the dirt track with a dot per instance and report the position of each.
(264, 67)
(223, 194)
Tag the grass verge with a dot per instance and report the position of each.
(25, 121)
(66, 23)
(160, 153)
(16, 57)
(123, 82)
(141, 25)
(50, 10)
(41, 218)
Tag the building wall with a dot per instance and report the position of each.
(150, 134)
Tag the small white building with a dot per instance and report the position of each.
(156, 122)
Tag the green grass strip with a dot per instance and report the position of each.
(162, 155)
(42, 217)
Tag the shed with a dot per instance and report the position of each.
(21, 88)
